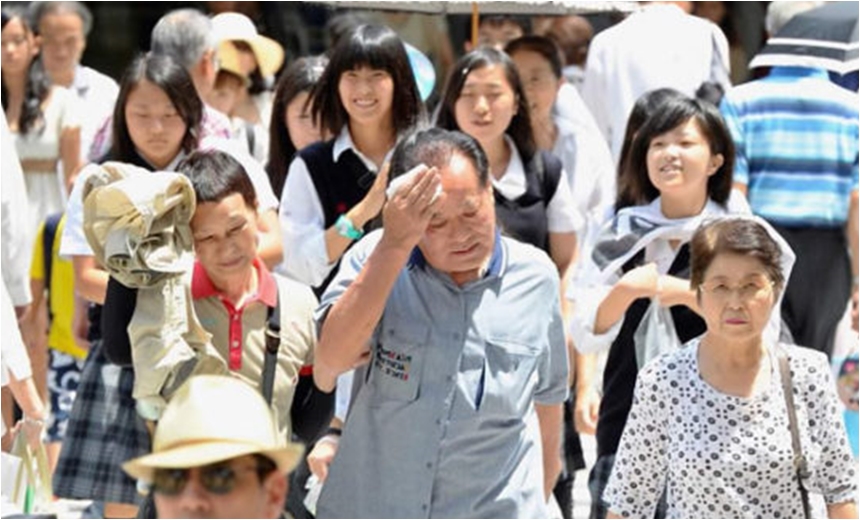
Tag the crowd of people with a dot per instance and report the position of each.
(240, 287)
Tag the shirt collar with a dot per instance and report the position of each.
(344, 142)
(798, 72)
(171, 167)
(495, 268)
(81, 80)
(267, 288)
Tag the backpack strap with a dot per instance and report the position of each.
(547, 167)
(273, 344)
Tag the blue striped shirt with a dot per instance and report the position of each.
(796, 135)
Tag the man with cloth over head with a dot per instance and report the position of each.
(458, 413)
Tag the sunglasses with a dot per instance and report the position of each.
(219, 478)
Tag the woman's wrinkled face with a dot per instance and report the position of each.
(737, 297)
(367, 95)
(302, 127)
(155, 126)
(680, 161)
(486, 105)
(225, 237)
(19, 47)
(539, 81)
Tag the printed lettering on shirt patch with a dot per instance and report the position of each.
(394, 364)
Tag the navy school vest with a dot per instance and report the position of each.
(525, 218)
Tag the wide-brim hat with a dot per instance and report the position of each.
(212, 419)
(231, 27)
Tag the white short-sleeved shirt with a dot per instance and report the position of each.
(722, 456)
(14, 221)
(588, 165)
(561, 213)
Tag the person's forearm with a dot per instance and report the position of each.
(271, 246)
(550, 420)
(612, 309)
(843, 510)
(852, 228)
(352, 319)
(70, 153)
(90, 282)
(27, 396)
(335, 244)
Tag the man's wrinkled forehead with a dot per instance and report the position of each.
(462, 186)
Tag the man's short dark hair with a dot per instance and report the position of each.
(216, 175)
(434, 147)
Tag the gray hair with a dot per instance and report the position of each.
(184, 35)
(39, 10)
(781, 11)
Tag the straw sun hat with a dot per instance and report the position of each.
(212, 419)
(229, 27)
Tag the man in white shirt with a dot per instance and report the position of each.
(661, 45)
(63, 28)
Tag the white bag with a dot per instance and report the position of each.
(655, 334)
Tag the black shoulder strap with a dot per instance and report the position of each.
(49, 234)
(800, 466)
(273, 344)
(251, 137)
(547, 167)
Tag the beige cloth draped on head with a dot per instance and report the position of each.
(138, 225)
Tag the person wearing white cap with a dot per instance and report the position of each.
(258, 59)
(217, 454)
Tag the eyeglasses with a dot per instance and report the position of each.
(747, 290)
(218, 479)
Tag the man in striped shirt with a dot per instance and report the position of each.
(796, 135)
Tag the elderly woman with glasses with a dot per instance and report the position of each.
(710, 421)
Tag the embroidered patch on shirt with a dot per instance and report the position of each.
(394, 364)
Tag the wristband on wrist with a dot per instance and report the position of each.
(346, 229)
(34, 421)
(334, 431)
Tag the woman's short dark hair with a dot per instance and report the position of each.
(377, 47)
(166, 74)
(674, 112)
(646, 106)
(739, 236)
(38, 85)
(434, 147)
(300, 76)
(520, 128)
(216, 175)
(541, 45)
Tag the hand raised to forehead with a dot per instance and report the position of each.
(410, 207)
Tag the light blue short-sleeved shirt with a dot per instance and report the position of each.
(444, 423)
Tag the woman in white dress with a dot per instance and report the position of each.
(42, 119)
(709, 422)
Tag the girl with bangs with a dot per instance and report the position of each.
(366, 98)
(677, 174)
(156, 122)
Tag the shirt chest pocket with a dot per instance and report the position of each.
(510, 377)
(397, 363)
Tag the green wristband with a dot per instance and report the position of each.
(346, 229)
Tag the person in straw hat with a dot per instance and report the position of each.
(256, 59)
(217, 453)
